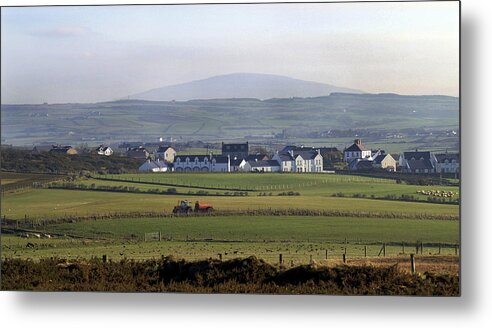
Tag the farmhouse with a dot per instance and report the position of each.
(202, 163)
(260, 166)
(154, 166)
(448, 163)
(165, 153)
(104, 150)
(137, 152)
(356, 151)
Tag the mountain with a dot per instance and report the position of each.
(242, 85)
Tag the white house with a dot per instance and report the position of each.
(104, 150)
(202, 163)
(300, 161)
(260, 166)
(356, 151)
(154, 166)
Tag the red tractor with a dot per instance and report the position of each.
(184, 207)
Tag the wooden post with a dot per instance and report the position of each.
(104, 258)
(421, 248)
(160, 236)
(280, 259)
(344, 258)
(439, 249)
(220, 256)
(326, 254)
(384, 249)
(416, 247)
(412, 263)
(403, 247)
(365, 251)
(456, 249)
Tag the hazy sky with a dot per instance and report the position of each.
(87, 54)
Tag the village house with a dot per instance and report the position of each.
(418, 162)
(356, 151)
(165, 153)
(154, 166)
(328, 153)
(300, 161)
(259, 166)
(385, 162)
(104, 150)
(448, 163)
(202, 163)
(137, 152)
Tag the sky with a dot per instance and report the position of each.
(90, 54)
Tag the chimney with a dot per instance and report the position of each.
(358, 142)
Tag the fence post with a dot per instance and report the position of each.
(160, 238)
(344, 258)
(104, 258)
(365, 251)
(384, 249)
(439, 249)
(280, 259)
(412, 263)
(422, 248)
(403, 247)
(220, 256)
(326, 254)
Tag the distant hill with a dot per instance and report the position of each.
(242, 85)
(222, 119)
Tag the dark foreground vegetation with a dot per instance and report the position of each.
(249, 275)
(19, 160)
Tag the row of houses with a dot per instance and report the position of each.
(359, 158)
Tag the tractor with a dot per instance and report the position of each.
(184, 207)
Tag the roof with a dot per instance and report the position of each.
(356, 147)
(201, 158)
(162, 149)
(416, 164)
(256, 157)
(60, 149)
(450, 157)
(379, 159)
(264, 163)
(396, 157)
(323, 150)
(417, 155)
(284, 157)
(306, 154)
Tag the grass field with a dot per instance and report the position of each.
(48, 203)
(299, 239)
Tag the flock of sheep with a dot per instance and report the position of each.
(438, 193)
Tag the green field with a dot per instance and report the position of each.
(299, 238)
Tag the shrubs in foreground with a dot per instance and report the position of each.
(249, 275)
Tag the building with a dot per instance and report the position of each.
(448, 163)
(137, 152)
(329, 154)
(154, 166)
(67, 150)
(269, 165)
(104, 150)
(165, 153)
(239, 150)
(418, 162)
(202, 163)
(361, 164)
(356, 151)
(42, 149)
(300, 161)
(385, 162)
